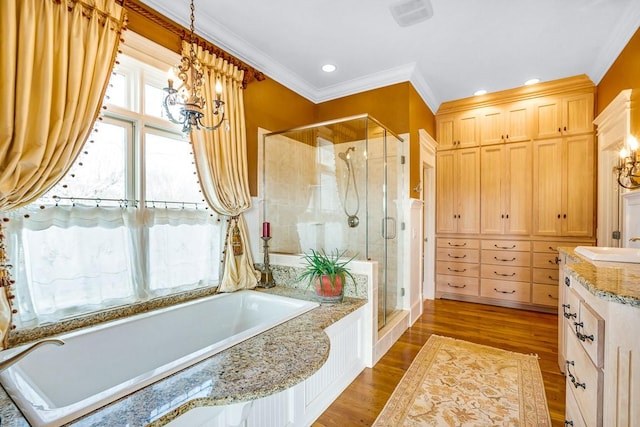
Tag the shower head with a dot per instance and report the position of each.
(346, 157)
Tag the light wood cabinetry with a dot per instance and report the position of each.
(457, 268)
(505, 182)
(505, 123)
(563, 186)
(556, 116)
(457, 130)
(516, 167)
(458, 190)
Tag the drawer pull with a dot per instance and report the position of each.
(551, 248)
(456, 257)
(554, 261)
(551, 277)
(567, 281)
(457, 245)
(575, 383)
(503, 274)
(582, 337)
(568, 423)
(552, 297)
(503, 259)
(505, 292)
(456, 271)
(568, 315)
(505, 247)
(456, 286)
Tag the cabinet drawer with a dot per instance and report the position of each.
(552, 246)
(546, 259)
(590, 333)
(443, 242)
(584, 380)
(506, 272)
(546, 276)
(520, 259)
(545, 295)
(457, 284)
(458, 255)
(572, 415)
(508, 245)
(504, 290)
(457, 268)
(571, 308)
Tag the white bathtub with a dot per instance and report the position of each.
(56, 384)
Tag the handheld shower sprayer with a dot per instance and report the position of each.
(352, 219)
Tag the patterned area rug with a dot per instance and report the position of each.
(457, 383)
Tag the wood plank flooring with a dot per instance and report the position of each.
(510, 329)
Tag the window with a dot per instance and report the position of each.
(128, 222)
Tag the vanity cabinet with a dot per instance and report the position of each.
(505, 189)
(598, 347)
(564, 186)
(458, 191)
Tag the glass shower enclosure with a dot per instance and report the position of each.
(336, 185)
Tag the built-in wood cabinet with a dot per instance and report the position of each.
(458, 187)
(556, 116)
(458, 130)
(564, 186)
(505, 183)
(516, 166)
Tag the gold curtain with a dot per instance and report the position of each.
(221, 161)
(56, 58)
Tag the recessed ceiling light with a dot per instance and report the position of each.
(531, 82)
(480, 92)
(328, 68)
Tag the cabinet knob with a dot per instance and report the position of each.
(559, 216)
(559, 130)
(564, 216)
(565, 128)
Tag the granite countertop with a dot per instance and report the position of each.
(613, 281)
(260, 366)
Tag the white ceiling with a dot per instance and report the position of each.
(467, 45)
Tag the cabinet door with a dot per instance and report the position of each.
(517, 189)
(577, 114)
(467, 129)
(468, 194)
(578, 186)
(547, 118)
(492, 127)
(445, 192)
(547, 187)
(491, 189)
(445, 125)
(517, 122)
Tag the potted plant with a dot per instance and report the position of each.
(328, 273)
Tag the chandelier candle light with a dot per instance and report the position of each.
(628, 166)
(266, 278)
(185, 105)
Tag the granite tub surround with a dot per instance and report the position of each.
(613, 281)
(260, 366)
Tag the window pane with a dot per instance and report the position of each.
(153, 100)
(170, 170)
(117, 90)
(99, 171)
(77, 266)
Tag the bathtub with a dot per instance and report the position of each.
(54, 385)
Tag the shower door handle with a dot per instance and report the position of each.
(385, 227)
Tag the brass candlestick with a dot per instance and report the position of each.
(266, 278)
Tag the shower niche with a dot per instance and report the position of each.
(336, 185)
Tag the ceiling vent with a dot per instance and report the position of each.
(410, 12)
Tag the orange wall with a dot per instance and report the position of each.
(420, 117)
(623, 74)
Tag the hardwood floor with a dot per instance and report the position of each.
(516, 330)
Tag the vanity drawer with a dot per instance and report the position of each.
(571, 308)
(443, 242)
(584, 380)
(521, 259)
(590, 332)
(506, 272)
(457, 268)
(507, 245)
(545, 295)
(458, 255)
(457, 284)
(572, 415)
(504, 290)
(545, 260)
(546, 276)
